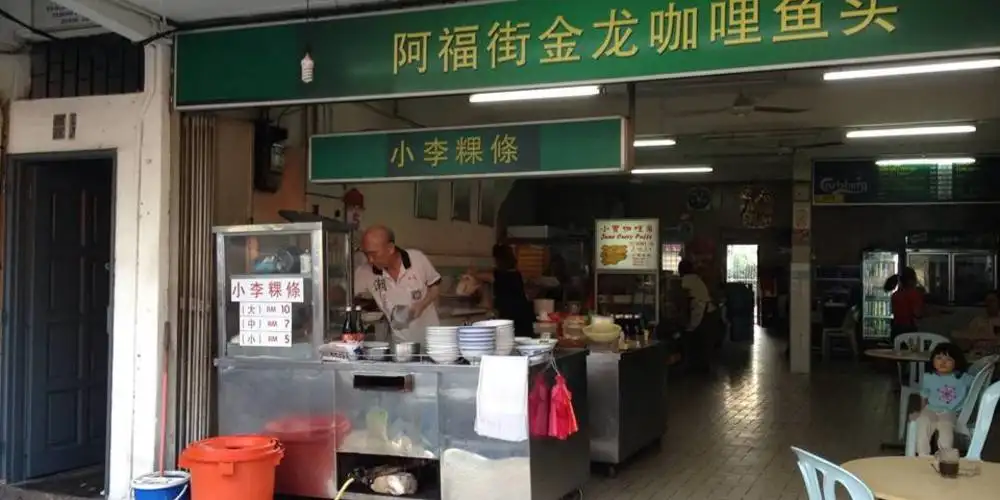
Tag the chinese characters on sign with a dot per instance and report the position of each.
(266, 306)
(628, 245)
(623, 33)
(463, 150)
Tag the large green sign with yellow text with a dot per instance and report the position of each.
(514, 149)
(526, 43)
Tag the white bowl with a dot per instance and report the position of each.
(602, 333)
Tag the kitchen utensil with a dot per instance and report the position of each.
(404, 351)
(376, 351)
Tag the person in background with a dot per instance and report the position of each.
(984, 329)
(397, 278)
(698, 337)
(907, 301)
(509, 299)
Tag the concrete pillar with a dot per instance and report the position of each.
(142, 268)
(800, 300)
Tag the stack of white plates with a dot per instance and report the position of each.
(474, 342)
(505, 334)
(441, 343)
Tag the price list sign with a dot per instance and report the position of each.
(266, 306)
(627, 245)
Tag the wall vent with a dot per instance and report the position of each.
(59, 126)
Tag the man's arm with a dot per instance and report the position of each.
(433, 292)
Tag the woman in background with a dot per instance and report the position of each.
(907, 301)
(509, 299)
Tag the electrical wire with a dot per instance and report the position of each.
(10, 17)
(343, 489)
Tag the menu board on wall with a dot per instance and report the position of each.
(627, 245)
(862, 182)
(266, 305)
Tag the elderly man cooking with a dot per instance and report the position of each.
(398, 280)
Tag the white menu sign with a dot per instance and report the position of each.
(627, 245)
(266, 306)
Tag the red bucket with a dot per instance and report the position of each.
(310, 445)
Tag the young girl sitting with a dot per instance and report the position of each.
(943, 389)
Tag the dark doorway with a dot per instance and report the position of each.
(57, 297)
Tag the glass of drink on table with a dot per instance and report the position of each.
(948, 462)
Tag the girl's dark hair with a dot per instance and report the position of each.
(503, 256)
(685, 267)
(953, 352)
(891, 283)
(906, 279)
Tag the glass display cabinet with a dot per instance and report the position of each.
(279, 285)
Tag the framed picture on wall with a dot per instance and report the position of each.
(461, 201)
(425, 200)
(487, 202)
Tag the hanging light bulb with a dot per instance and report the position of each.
(307, 68)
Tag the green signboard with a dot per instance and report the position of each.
(512, 149)
(524, 43)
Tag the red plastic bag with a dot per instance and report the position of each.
(538, 407)
(562, 419)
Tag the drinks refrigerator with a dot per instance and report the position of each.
(876, 310)
(954, 268)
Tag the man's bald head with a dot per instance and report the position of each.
(379, 245)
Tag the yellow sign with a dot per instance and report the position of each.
(469, 150)
(504, 149)
(401, 154)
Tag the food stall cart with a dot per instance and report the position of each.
(342, 420)
(627, 382)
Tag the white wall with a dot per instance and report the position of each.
(137, 127)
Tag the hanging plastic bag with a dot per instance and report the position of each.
(538, 407)
(562, 419)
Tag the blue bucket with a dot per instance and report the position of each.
(171, 485)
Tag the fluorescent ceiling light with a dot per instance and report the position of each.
(530, 95)
(653, 143)
(897, 162)
(685, 169)
(914, 69)
(910, 131)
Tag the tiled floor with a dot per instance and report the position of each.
(728, 437)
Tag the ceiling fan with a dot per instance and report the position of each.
(742, 106)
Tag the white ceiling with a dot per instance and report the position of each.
(761, 146)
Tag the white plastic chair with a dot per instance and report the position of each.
(984, 419)
(845, 331)
(812, 466)
(924, 342)
(972, 401)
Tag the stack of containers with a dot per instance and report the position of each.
(474, 342)
(442, 344)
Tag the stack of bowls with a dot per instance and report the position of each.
(505, 334)
(442, 344)
(474, 342)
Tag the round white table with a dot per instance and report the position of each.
(914, 478)
(900, 356)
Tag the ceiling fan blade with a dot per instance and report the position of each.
(778, 109)
(702, 112)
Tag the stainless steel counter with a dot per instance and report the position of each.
(627, 397)
(430, 410)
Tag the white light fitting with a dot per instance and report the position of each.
(654, 143)
(680, 169)
(899, 162)
(536, 94)
(913, 69)
(910, 131)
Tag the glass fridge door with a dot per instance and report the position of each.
(876, 311)
(975, 276)
(934, 274)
